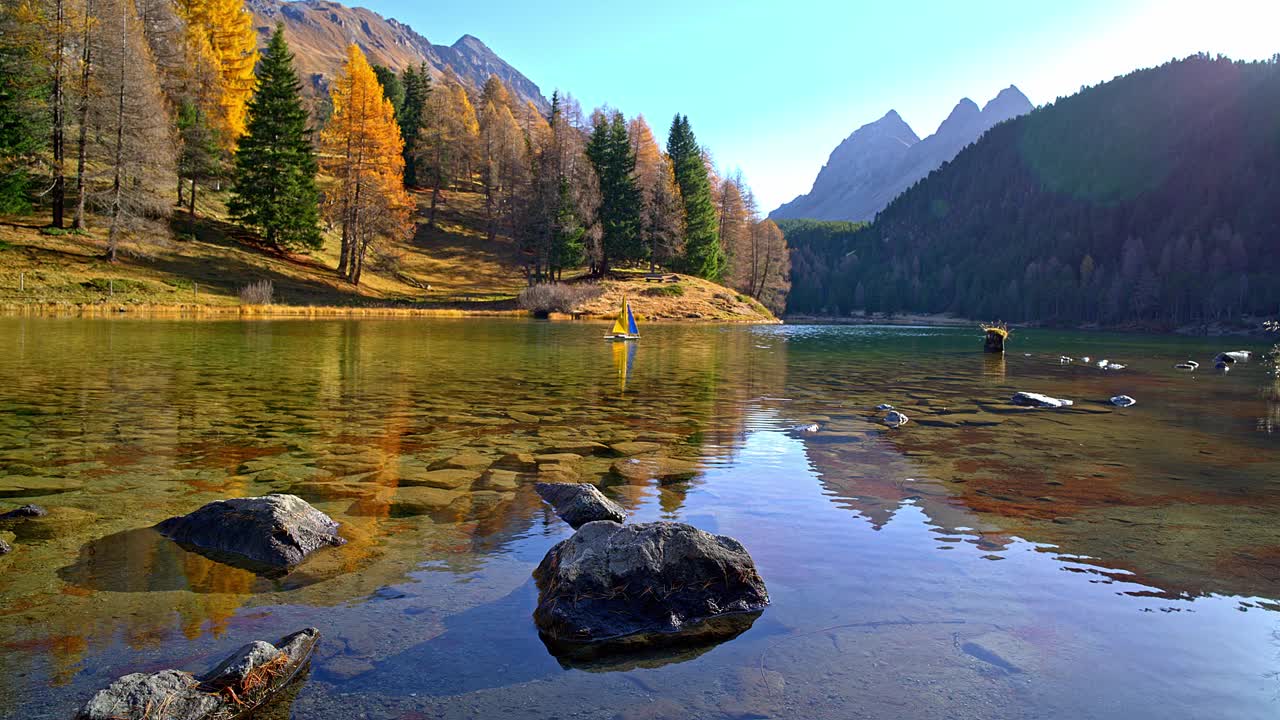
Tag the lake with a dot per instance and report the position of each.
(983, 561)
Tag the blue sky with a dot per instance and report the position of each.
(772, 87)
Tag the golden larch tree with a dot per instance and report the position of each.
(223, 31)
(362, 153)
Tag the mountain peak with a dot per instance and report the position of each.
(881, 159)
(471, 42)
(1009, 103)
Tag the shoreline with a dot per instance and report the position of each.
(1247, 328)
(268, 312)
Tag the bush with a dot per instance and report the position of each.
(665, 291)
(257, 293)
(557, 297)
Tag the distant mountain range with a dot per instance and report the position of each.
(1148, 200)
(882, 159)
(319, 31)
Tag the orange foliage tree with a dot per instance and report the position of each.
(362, 154)
(222, 33)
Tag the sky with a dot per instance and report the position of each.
(772, 87)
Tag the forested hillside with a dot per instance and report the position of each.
(1149, 199)
(130, 124)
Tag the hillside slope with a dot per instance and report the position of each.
(319, 31)
(452, 269)
(882, 159)
(1148, 199)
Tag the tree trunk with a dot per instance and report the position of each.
(435, 199)
(113, 238)
(82, 142)
(191, 208)
(59, 121)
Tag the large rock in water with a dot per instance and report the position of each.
(233, 689)
(635, 585)
(580, 503)
(275, 530)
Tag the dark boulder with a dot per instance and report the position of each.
(26, 511)
(579, 503)
(233, 689)
(632, 586)
(274, 530)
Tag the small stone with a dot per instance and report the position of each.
(464, 461)
(627, 449)
(579, 503)
(1027, 399)
(1123, 401)
(640, 469)
(422, 500)
(26, 511)
(896, 419)
(450, 479)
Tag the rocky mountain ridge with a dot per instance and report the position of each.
(882, 159)
(319, 31)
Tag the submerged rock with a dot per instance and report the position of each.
(660, 468)
(1123, 401)
(1027, 399)
(636, 585)
(233, 689)
(579, 503)
(26, 511)
(884, 407)
(276, 530)
(805, 429)
(1188, 365)
(896, 419)
(5, 549)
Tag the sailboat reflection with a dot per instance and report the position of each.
(624, 355)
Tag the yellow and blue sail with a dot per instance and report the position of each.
(625, 323)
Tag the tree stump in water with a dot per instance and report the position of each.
(996, 336)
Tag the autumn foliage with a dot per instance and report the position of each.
(222, 31)
(362, 154)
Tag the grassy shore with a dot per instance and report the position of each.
(451, 270)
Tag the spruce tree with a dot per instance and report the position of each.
(392, 87)
(275, 183)
(412, 116)
(703, 254)
(24, 126)
(615, 163)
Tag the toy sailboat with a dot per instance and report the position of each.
(624, 327)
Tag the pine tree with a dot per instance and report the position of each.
(275, 188)
(412, 116)
(363, 153)
(391, 87)
(610, 153)
(24, 126)
(199, 155)
(703, 254)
